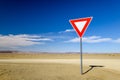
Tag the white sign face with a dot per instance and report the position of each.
(80, 25)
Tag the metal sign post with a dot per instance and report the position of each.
(81, 60)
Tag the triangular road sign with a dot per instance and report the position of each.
(80, 25)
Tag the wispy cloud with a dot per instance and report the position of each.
(9, 41)
(117, 40)
(96, 39)
(91, 39)
(41, 39)
(67, 30)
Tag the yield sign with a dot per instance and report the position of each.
(80, 25)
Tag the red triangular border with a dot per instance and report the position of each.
(80, 34)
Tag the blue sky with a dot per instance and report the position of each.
(43, 25)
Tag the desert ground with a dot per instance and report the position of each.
(49, 66)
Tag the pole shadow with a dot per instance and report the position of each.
(92, 67)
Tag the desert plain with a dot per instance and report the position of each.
(59, 66)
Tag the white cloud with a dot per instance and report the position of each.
(91, 39)
(96, 39)
(9, 41)
(117, 40)
(67, 30)
(74, 40)
(42, 39)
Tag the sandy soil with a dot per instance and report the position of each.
(53, 71)
(59, 67)
(107, 63)
(57, 56)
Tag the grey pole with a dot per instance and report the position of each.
(81, 62)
